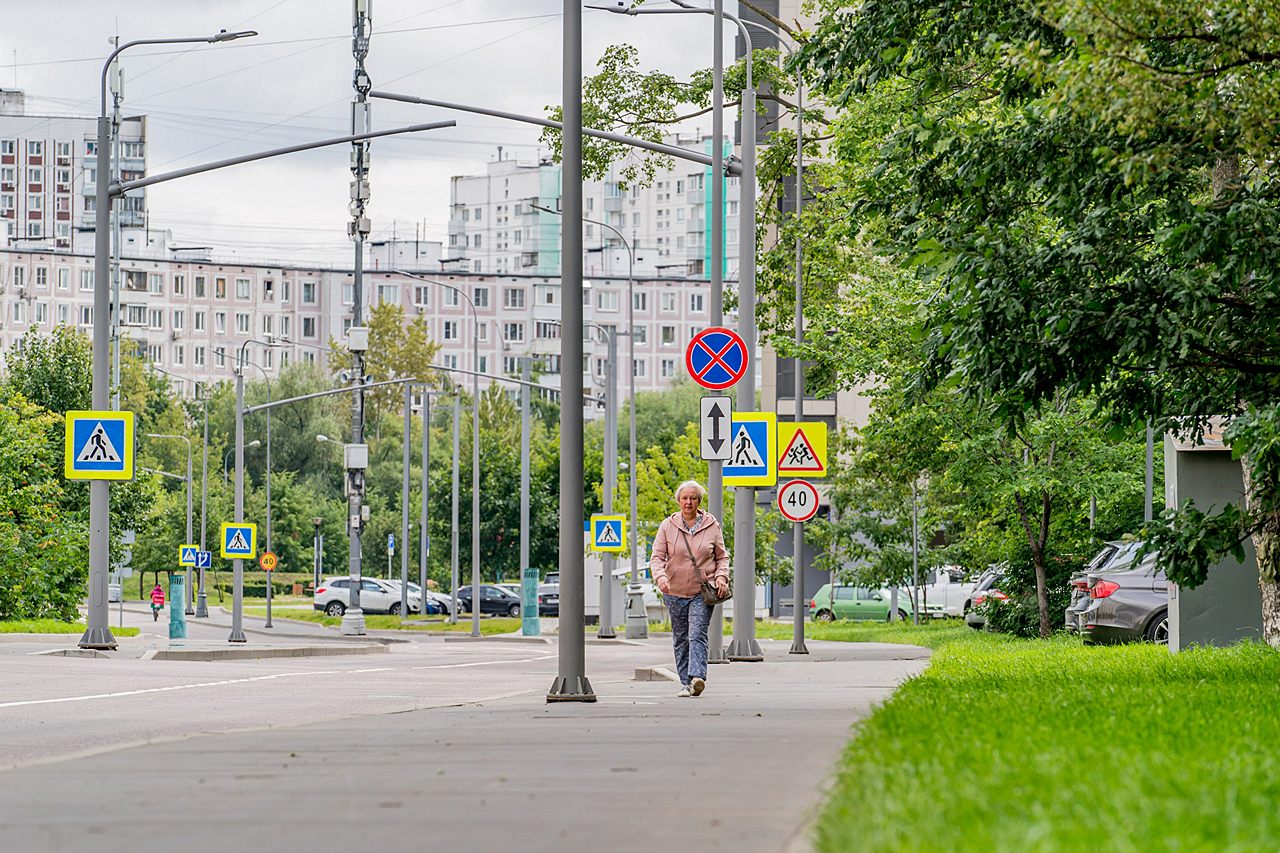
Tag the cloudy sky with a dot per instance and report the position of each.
(293, 83)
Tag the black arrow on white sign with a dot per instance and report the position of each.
(714, 437)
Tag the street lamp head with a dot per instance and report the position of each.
(254, 443)
(618, 7)
(322, 437)
(223, 35)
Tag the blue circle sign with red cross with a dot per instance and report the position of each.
(716, 358)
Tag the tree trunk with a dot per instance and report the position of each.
(1037, 540)
(1266, 543)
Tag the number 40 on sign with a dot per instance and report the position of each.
(798, 500)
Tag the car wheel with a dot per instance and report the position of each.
(825, 616)
(395, 609)
(1158, 631)
(513, 611)
(335, 608)
(903, 616)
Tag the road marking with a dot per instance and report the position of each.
(181, 687)
(475, 663)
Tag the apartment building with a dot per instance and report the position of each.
(48, 174)
(188, 313)
(504, 221)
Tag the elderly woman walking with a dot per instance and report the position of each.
(688, 549)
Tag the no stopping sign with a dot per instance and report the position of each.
(798, 500)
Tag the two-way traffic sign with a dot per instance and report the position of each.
(713, 428)
(98, 446)
(204, 559)
(239, 540)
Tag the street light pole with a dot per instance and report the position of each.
(404, 504)
(237, 565)
(610, 481)
(453, 529)
(98, 634)
(267, 378)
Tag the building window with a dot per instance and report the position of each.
(285, 326)
(200, 321)
(179, 355)
(607, 301)
(450, 332)
(35, 203)
(638, 368)
(198, 358)
(219, 356)
(155, 319)
(348, 294)
(640, 302)
(483, 364)
(179, 320)
(200, 284)
(668, 336)
(220, 322)
(42, 312)
(668, 303)
(480, 296)
(179, 285)
(20, 277)
(86, 279)
(668, 368)
(421, 295)
(63, 149)
(452, 298)
(268, 290)
(286, 290)
(545, 331)
(64, 314)
(697, 302)
(451, 362)
(242, 323)
(309, 292)
(268, 324)
(220, 288)
(482, 332)
(640, 334)
(6, 146)
(511, 365)
(42, 278)
(513, 332)
(132, 150)
(308, 327)
(389, 293)
(513, 297)
(155, 354)
(243, 288)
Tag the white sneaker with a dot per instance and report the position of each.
(697, 686)
(684, 693)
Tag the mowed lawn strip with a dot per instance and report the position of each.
(1006, 744)
(385, 622)
(55, 626)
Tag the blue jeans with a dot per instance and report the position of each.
(689, 620)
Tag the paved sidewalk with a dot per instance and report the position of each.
(739, 769)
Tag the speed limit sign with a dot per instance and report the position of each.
(798, 500)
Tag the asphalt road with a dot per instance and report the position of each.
(440, 745)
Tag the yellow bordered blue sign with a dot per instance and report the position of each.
(98, 446)
(187, 555)
(753, 442)
(239, 540)
(609, 533)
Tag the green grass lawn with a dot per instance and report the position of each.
(55, 626)
(1007, 744)
(383, 622)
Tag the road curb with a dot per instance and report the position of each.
(258, 652)
(655, 673)
(498, 638)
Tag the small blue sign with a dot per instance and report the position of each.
(98, 446)
(750, 448)
(391, 543)
(608, 533)
(239, 541)
(204, 559)
(188, 557)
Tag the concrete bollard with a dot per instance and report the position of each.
(177, 615)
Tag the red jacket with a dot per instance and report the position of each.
(157, 597)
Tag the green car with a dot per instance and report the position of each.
(856, 602)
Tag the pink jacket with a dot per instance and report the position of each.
(670, 557)
(157, 596)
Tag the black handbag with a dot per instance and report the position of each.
(710, 595)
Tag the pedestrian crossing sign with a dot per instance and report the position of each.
(239, 541)
(608, 533)
(751, 456)
(187, 555)
(804, 449)
(98, 446)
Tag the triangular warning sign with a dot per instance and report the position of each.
(799, 456)
(237, 542)
(99, 447)
(608, 535)
(744, 453)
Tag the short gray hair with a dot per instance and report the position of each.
(691, 484)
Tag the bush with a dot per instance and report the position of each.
(1020, 614)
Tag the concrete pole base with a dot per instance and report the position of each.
(99, 638)
(799, 648)
(745, 649)
(353, 623)
(606, 632)
(202, 607)
(237, 637)
(574, 688)
(637, 619)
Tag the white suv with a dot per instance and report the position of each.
(333, 597)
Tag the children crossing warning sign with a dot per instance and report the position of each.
(98, 446)
(804, 449)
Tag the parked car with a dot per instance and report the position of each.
(1109, 554)
(1128, 605)
(549, 599)
(376, 596)
(988, 587)
(437, 604)
(855, 602)
(947, 589)
(513, 588)
(493, 600)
